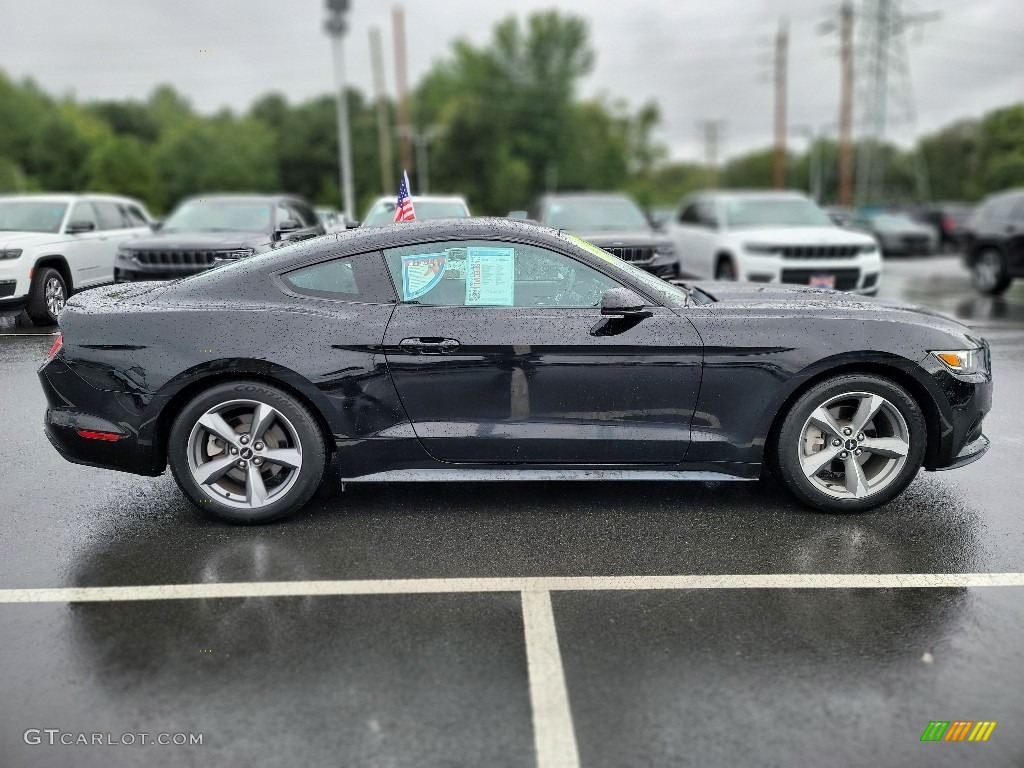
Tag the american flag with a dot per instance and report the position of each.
(403, 208)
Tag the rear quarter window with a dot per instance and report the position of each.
(361, 278)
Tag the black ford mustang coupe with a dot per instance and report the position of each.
(487, 349)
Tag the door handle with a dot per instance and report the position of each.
(429, 345)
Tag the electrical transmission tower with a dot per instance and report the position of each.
(886, 96)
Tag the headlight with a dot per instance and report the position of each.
(964, 361)
(124, 253)
(868, 248)
(760, 248)
(11, 254)
(664, 251)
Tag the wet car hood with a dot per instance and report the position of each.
(195, 241)
(797, 297)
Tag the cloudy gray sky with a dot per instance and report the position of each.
(697, 59)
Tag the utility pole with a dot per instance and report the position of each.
(335, 27)
(387, 168)
(779, 78)
(401, 81)
(846, 104)
(711, 130)
(421, 140)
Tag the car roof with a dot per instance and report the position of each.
(69, 197)
(245, 197)
(750, 194)
(587, 196)
(421, 198)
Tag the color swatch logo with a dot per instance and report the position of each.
(958, 730)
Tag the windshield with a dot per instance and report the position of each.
(213, 215)
(595, 215)
(894, 221)
(775, 212)
(384, 212)
(31, 216)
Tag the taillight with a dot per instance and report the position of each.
(57, 344)
(948, 224)
(92, 434)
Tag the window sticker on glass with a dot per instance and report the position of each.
(420, 273)
(490, 277)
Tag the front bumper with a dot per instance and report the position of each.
(861, 274)
(74, 404)
(961, 439)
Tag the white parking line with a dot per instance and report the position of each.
(511, 584)
(554, 738)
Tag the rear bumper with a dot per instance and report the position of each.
(74, 405)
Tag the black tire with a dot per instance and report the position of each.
(787, 449)
(40, 307)
(989, 273)
(725, 270)
(298, 426)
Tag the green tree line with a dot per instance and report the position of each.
(508, 125)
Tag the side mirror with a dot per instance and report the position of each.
(622, 302)
(156, 225)
(351, 223)
(78, 227)
(287, 225)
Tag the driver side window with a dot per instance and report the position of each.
(482, 273)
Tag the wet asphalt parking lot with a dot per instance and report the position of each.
(522, 624)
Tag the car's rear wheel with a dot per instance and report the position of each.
(989, 273)
(247, 452)
(851, 443)
(47, 296)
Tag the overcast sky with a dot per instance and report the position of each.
(697, 59)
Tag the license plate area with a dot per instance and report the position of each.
(823, 281)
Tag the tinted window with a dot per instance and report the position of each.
(134, 216)
(108, 214)
(303, 214)
(359, 278)
(480, 273)
(83, 212)
(689, 215)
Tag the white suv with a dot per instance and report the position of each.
(53, 245)
(771, 237)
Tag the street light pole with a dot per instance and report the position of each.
(336, 27)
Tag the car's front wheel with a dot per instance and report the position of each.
(850, 443)
(47, 296)
(247, 452)
(989, 273)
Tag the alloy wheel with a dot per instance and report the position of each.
(53, 293)
(245, 454)
(854, 445)
(988, 268)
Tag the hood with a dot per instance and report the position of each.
(198, 241)
(799, 298)
(30, 239)
(800, 236)
(604, 237)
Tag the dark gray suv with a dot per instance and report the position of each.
(994, 242)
